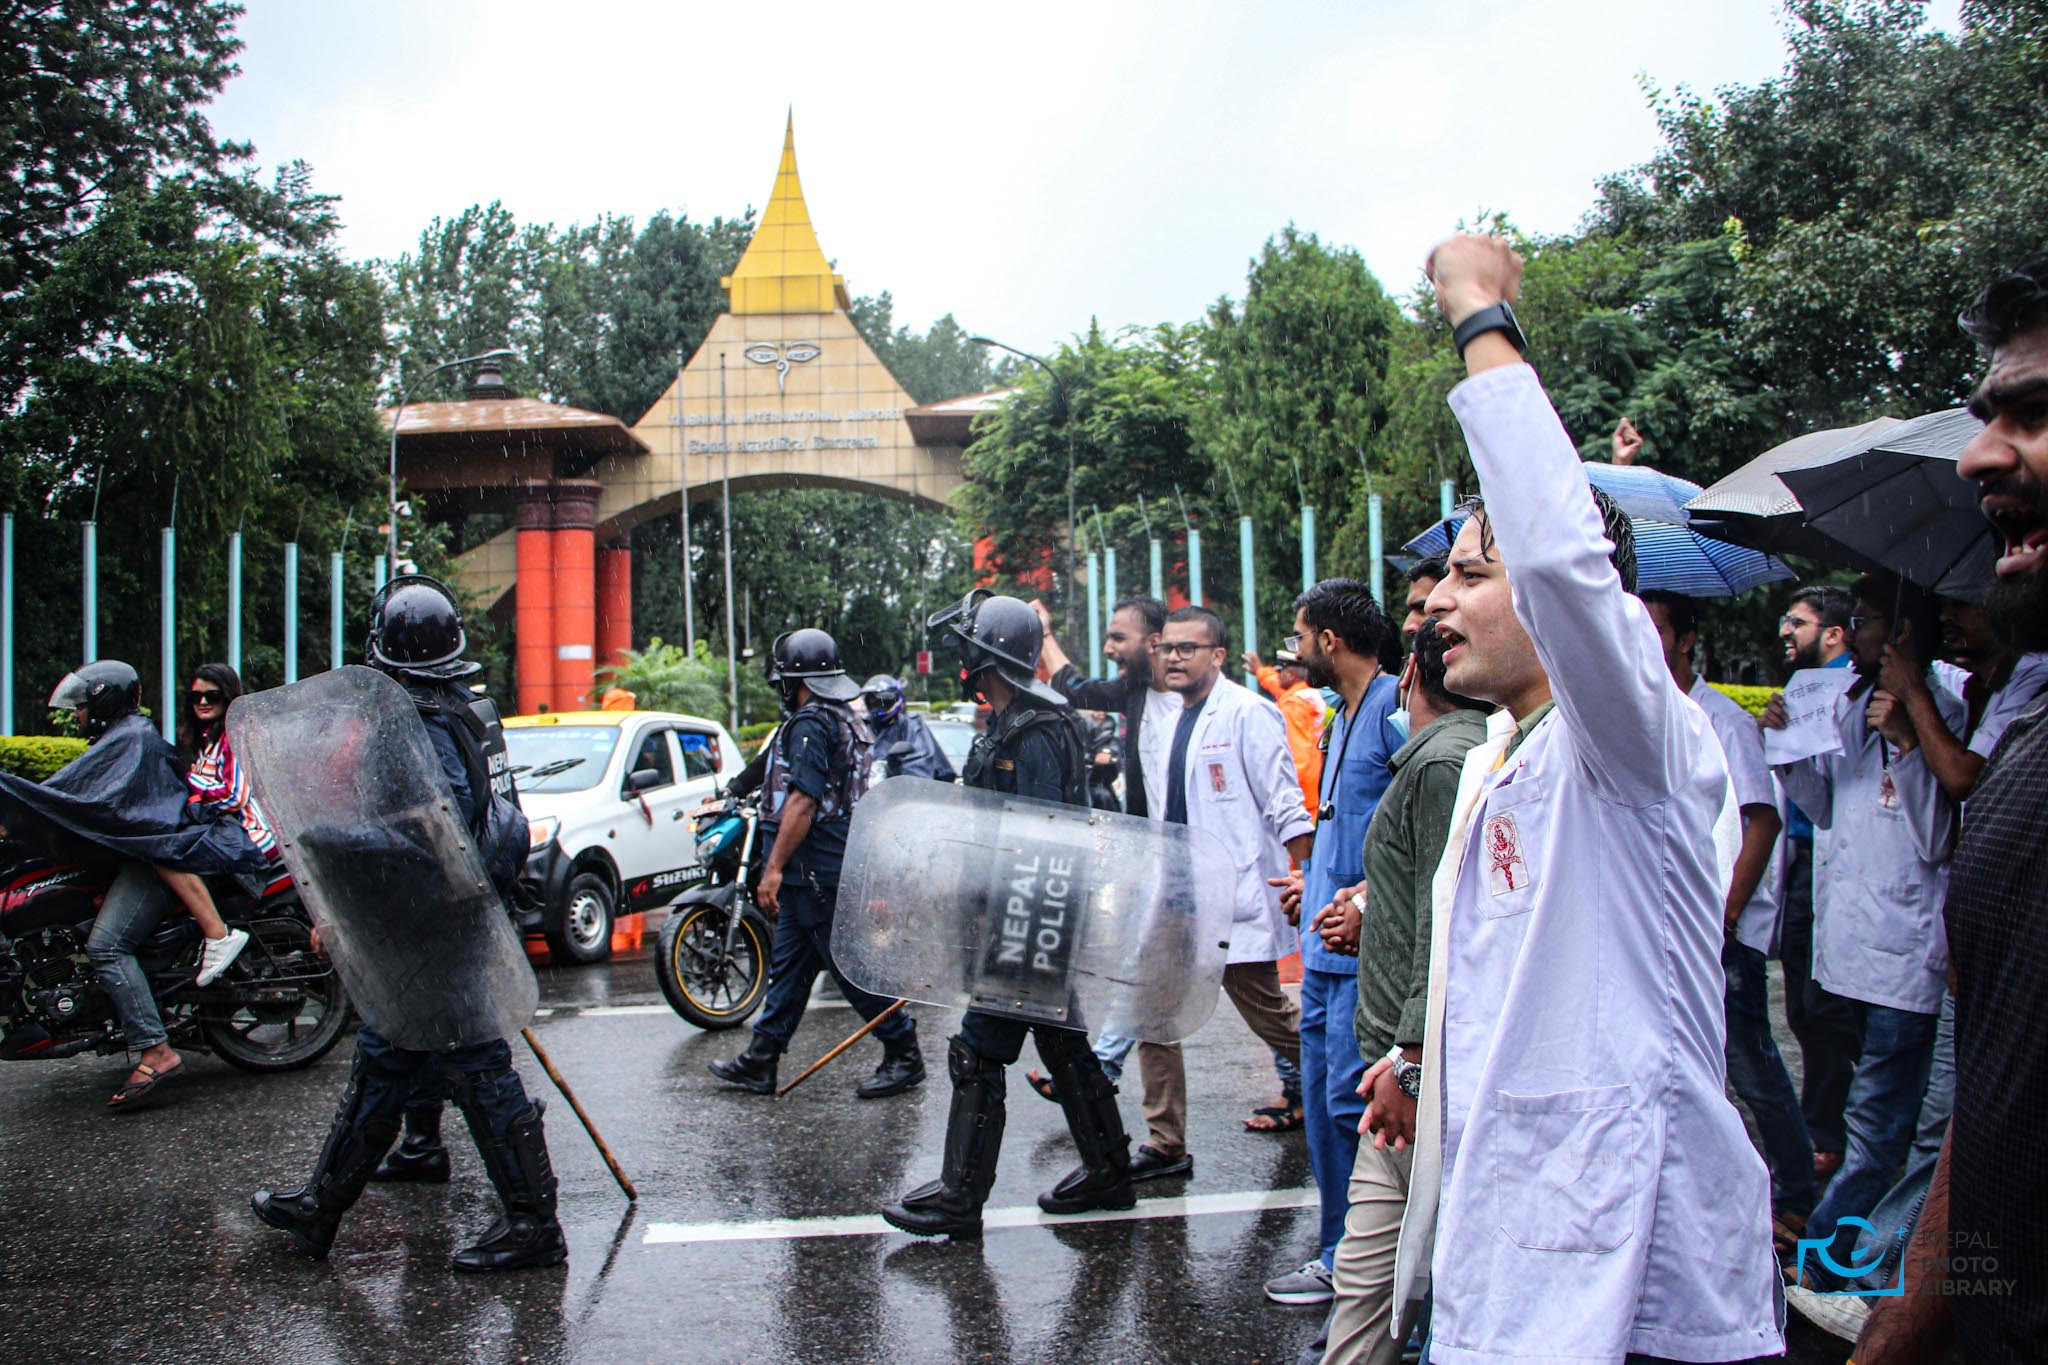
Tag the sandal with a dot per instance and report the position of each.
(134, 1094)
(1786, 1230)
(1042, 1083)
(1273, 1118)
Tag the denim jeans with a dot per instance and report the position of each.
(1758, 1074)
(134, 906)
(803, 947)
(1824, 1023)
(1884, 1105)
(1893, 1219)
(1331, 1105)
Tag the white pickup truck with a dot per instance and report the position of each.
(608, 794)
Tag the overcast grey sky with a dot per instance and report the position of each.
(1022, 167)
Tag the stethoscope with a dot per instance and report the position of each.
(1328, 808)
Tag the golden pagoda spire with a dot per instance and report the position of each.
(784, 270)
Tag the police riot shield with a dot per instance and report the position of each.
(342, 769)
(1044, 912)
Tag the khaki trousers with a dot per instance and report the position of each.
(1254, 987)
(1361, 1315)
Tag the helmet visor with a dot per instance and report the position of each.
(70, 693)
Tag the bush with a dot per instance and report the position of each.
(750, 733)
(35, 757)
(1750, 699)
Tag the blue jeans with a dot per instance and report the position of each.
(1331, 1105)
(1893, 1219)
(1112, 1051)
(1758, 1074)
(803, 947)
(133, 908)
(391, 1075)
(1884, 1103)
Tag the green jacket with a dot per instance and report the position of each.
(1402, 848)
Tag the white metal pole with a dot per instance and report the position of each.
(291, 611)
(168, 717)
(91, 604)
(732, 667)
(234, 602)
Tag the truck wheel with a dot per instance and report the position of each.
(583, 933)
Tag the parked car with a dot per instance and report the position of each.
(608, 794)
(955, 737)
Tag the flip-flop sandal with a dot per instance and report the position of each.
(1279, 1118)
(135, 1094)
(1042, 1083)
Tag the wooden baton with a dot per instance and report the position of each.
(863, 1031)
(632, 1195)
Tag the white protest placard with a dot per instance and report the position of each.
(1810, 729)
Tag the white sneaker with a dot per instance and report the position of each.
(1839, 1315)
(218, 953)
(1303, 1287)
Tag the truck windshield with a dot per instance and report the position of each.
(560, 758)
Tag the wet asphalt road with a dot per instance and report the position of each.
(129, 1237)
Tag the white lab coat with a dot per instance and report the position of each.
(1742, 746)
(1882, 832)
(1592, 1190)
(1242, 788)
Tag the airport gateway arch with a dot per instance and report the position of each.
(783, 387)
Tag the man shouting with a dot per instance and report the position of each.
(1593, 1193)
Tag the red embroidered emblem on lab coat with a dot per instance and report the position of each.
(1218, 783)
(1887, 792)
(1502, 845)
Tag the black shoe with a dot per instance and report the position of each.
(902, 1067)
(527, 1235)
(753, 1069)
(419, 1157)
(951, 1205)
(933, 1210)
(1148, 1164)
(356, 1142)
(1090, 1187)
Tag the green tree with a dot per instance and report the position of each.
(938, 363)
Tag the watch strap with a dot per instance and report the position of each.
(1497, 317)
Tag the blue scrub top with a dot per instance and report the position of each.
(1339, 856)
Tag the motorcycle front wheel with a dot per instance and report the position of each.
(286, 1010)
(708, 987)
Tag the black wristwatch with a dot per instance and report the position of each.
(1494, 318)
(1408, 1075)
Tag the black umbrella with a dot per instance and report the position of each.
(1753, 507)
(1894, 498)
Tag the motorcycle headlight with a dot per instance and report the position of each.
(541, 831)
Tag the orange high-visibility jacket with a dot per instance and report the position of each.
(1303, 709)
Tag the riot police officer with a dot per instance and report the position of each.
(902, 740)
(416, 637)
(818, 766)
(1033, 747)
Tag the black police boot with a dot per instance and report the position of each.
(902, 1067)
(951, 1205)
(527, 1235)
(420, 1155)
(753, 1069)
(1103, 1179)
(355, 1144)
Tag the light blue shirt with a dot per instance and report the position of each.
(1338, 859)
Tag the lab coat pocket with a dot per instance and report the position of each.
(1513, 828)
(1564, 1168)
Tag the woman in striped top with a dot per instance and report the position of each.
(215, 779)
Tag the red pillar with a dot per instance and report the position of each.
(533, 620)
(614, 603)
(575, 597)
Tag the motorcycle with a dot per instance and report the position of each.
(712, 961)
(279, 1007)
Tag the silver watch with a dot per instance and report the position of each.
(1408, 1075)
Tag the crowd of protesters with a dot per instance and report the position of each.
(1539, 878)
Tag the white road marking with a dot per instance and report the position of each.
(613, 1011)
(1023, 1216)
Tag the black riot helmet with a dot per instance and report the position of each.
(416, 630)
(884, 698)
(1000, 633)
(811, 657)
(105, 689)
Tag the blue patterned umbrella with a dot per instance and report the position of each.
(1671, 555)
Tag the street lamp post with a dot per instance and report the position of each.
(1067, 421)
(404, 397)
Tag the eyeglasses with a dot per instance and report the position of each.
(206, 696)
(1858, 622)
(1180, 649)
(1795, 622)
(1293, 643)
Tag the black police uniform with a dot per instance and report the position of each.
(408, 630)
(1032, 749)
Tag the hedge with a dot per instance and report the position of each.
(1750, 699)
(35, 757)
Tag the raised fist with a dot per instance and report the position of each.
(1471, 273)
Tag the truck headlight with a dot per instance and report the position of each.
(541, 832)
